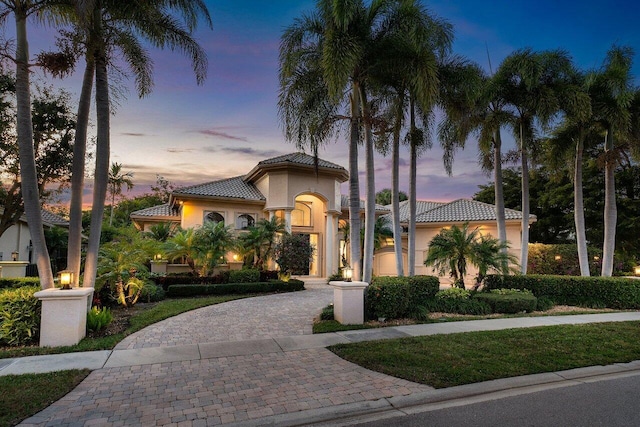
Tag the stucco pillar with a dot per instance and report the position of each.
(348, 302)
(287, 220)
(64, 315)
(329, 253)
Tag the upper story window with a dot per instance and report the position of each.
(245, 221)
(214, 217)
(301, 215)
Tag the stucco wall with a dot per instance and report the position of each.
(193, 212)
(16, 238)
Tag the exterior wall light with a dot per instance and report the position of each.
(557, 257)
(157, 257)
(14, 255)
(596, 258)
(347, 274)
(66, 277)
(636, 270)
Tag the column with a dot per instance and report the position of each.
(287, 220)
(329, 258)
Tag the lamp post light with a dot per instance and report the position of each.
(347, 274)
(557, 257)
(636, 270)
(66, 277)
(157, 257)
(14, 255)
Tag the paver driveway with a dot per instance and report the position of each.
(220, 390)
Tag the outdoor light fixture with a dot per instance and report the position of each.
(596, 258)
(14, 256)
(236, 257)
(557, 257)
(66, 277)
(636, 270)
(347, 274)
(157, 257)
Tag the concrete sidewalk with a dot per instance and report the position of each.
(148, 356)
(254, 362)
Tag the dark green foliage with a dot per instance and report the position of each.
(293, 253)
(398, 297)
(98, 318)
(542, 259)
(610, 292)
(336, 277)
(18, 282)
(235, 288)
(266, 275)
(19, 316)
(246, 275)
(152, 292)
(508, 303)
(544, 303)
(459, 306)
(327, 313)
(166, 281)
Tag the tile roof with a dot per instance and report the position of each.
(421, 207)
(465, 210)
(160, 211)
(299, 159)
(53, 219)
(234, 188)
(344, 202)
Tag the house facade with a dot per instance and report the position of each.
(306, 195)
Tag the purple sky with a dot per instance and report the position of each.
(192, 134)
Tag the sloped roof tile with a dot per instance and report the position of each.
(234, 188)
(299, 159)
(462, 210)
(165, 210)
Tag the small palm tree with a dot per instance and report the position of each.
(118, 179)
(211, 242)
(183, 245)
(161, 232)
(453, 248)
(260, 240)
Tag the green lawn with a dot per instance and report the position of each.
(450, 360)
(26, 395)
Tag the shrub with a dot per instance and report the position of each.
(235, 288)
(19, 315)
(454, 294)
(611, 292)
(186, 279)
(246, 275)
(266, 275)
(152, 292)
(397, 297)
(512, 302)
(544, 303)
(327, 313)
(460, 305)
(18, 282)
(98, 318)
(293, 253)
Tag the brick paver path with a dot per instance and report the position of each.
(224, 389)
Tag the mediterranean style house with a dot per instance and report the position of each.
(306, 195)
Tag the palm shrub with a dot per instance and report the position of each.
(19, 315)
(258, 242)
(451, 250)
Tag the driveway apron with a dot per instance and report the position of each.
(227, 389)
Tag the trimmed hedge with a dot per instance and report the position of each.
(247, 275)
(398, 297)
(508, 303)
(235, 288)
(18, 282)
(19, 315)
(222, 277)
(611, 292)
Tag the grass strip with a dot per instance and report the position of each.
(25, 395)
(449, 360)
(163, 310)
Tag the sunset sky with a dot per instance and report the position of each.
(193, 134)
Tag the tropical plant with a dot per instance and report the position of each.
(118, 179)
(162, 231)
(383, 197)
(453, 248)
(98, 318)
(212, 241)
(183, 245)
(257, 243)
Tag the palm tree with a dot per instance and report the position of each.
(211, 241)
(183, 245)
(532, 85)
(453, 248)
(612, 95)
(22, 10)
(112, 24)
(117, 179)
(161, 232)
(260, 239)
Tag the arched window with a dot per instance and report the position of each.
(245, 221)
(301, 215)
(214, 217)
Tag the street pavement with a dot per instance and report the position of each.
(254, 362)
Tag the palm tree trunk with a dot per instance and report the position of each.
(524, 250)
(28, 172)
(610, 209)
(101, 177)
(412, 194)
(354, 189)
(370, 206)
(77, 172)
(498, 184)
(578, 210)
(395, 196)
